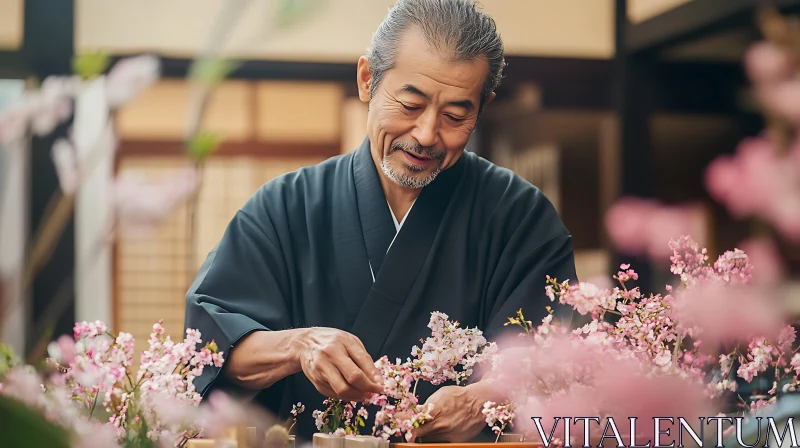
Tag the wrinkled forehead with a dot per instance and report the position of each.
(419, 63)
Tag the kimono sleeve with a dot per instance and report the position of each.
(524, 282)
(240, 288)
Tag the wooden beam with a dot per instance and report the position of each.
(275, 70)
(694, 87)
(565, 83)
(231, 149)
(694, 19)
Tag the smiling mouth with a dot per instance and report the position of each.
(418, 157)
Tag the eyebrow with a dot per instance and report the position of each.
(465, 104)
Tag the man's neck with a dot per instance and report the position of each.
(400, 198)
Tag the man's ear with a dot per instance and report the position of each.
(363, 79)
(489, 99)
(483, 106)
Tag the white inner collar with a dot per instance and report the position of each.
(398, 225)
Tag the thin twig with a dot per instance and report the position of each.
(94, 403)
(52, 311)
(191, 237)
(56, 308)
(57, 213)
(677, 348)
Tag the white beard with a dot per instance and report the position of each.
(405, 180)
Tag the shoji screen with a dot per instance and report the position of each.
(268, 129)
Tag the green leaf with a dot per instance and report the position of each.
(203, 145)
(8, 359)
(212, 71)
(90, 65)
(23, 426)
(291, 11)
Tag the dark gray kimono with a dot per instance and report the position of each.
(476, 245)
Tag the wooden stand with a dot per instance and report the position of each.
(242, 437)
(469, 445)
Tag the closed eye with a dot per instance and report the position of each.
(455, 119)
(407, 107)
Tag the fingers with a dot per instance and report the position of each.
(339, 387)
(370, 379)
(431, 427)
(357, 379)
(339, 366)
(345, 378)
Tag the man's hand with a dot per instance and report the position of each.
(457, 413)
(338, 365)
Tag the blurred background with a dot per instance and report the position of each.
(602, 99)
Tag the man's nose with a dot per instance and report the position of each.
(426, 132)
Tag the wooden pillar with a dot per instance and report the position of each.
(633, 105)
(48, 49)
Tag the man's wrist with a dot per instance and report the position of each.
(297, 346)
(483, 391)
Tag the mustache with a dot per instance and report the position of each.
(418, 149)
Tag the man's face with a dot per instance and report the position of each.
(423, 111)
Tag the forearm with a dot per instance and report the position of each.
(263, 358)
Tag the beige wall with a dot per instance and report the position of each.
(339, 31)
(641, 10)
(239, 111)
(11, 24)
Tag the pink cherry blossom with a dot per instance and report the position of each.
(139, 205)
(758, 182)
(641, 227)
(129, 77)
(498, 417)
(722, 313)
(52, 104)
(38, 111)
(62, 350)
(94, 373)
(451, 353)
(781, 98)
(13, 124)
(587, 298)
(65, 160)
(767, 64)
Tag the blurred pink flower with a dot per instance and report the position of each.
(13, 124)
(620, 388)
(644, 227)
(65, 159)
(23, 384)
(140, 205)
(770, 69)
(765, 63)
(728, 313)
(759, 182)
(52, 104)
(781, 98)
(39, 111)
(94, 435)
(768, 269)
(628, 389)
(129, 77)
(63, 350)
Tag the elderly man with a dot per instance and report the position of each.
(328, 268)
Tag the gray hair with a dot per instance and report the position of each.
(456, 27)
